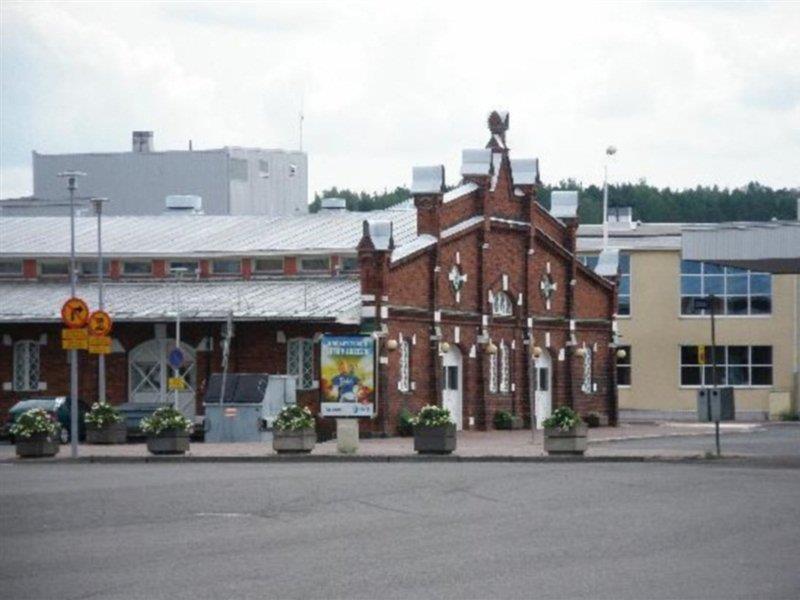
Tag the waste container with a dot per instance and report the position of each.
(251, 403)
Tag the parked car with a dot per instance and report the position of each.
(58, 406)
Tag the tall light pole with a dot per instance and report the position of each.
(610, 151)
(101, 358)
(72, 185)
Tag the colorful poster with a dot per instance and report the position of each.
(348, 376)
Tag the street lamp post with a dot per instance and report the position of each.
(101, 358)
(72, 179)
(178, 272)
(610, 151)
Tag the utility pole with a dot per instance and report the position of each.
(178, 271)
(712, 302)
(101, 358)
(72, 179)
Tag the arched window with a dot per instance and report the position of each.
(587, 387)
(505, 369)
(501, 305)
(404, 381)
(493, 373)
(300, 362)
(26, 366)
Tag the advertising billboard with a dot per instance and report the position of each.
(347, 365)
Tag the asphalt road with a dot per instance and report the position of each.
(408, 530)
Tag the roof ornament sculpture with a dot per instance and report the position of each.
(498, 124)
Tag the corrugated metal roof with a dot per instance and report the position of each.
(423, 241)
(198, 235)
(335, 299)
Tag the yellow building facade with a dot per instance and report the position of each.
(668, 343)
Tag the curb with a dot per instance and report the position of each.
(326, 458)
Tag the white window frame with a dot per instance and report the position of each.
(502, 306)
(126, 273)
(27, 365)
(325, 269)
(15, 273)
(214, 271)
(300, 362)
(257, 271)
(587, 383)
(45, 263)
(493, 373)
(505, 369)
(404, 379)
(183, 264)
(626, 365)
(725, 274)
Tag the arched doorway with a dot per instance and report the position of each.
(148, 371)
(451, 384)
(543, 390)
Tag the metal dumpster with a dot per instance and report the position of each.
(251, 403)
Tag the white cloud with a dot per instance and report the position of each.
(689, 93)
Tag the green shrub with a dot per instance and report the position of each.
(166, 418)
(502, 419)
(33, 421)
(789, 416)
(405, 423)
(102, 414)
(562, 418)
(592, 419)
(433, 416)
(294, 418)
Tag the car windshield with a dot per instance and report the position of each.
(45, 403)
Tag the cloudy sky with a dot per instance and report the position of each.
(690, 93)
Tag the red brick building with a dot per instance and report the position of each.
(474, 296)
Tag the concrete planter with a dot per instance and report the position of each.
(168, 442)
(294, 442)
(435, 440)
(115, 433)
(569, 441)
(36, 446)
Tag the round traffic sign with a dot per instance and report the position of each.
(74, 313)
(99, 323)
(175, 358)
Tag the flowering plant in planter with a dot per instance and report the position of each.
(293, 430)
(294, 418)
(434, 431)
(563, 418)
(35, 421)
(166, 418)
(433, 416)
(36, 434)
(102, 415)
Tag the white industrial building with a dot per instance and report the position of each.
(229, 180)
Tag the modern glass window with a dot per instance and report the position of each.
(404, 382)
(54, 267)
(88, 268)
(226, 267)
(189, 266)
(317, 264)
(587, 384)
(450, 378)
(624, 281)
(737, 291)
(137, 267)
(271, 265)
(300, 362)
(744, 366)
(26, 365)
(502, 305)
(10, 268)
(493, 373)
(505, 369)
(349, 263)
(624, 366)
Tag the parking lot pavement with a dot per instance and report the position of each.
(398, 530)
(604, 441)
